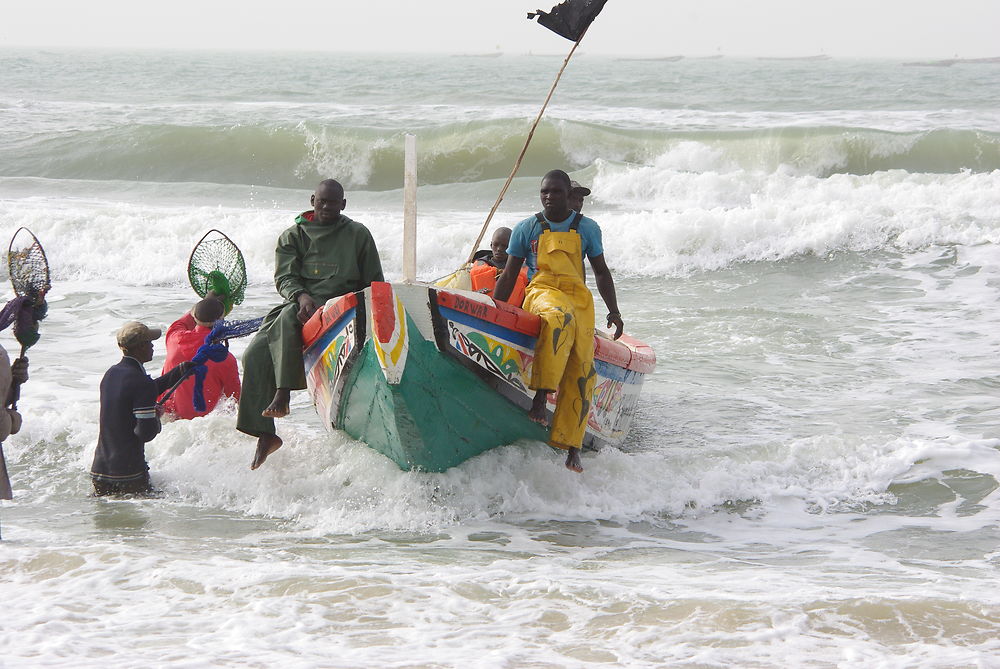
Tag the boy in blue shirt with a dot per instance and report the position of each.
(554, 243)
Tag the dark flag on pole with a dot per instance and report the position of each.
(570, 18)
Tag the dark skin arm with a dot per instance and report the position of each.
(19, 375)
(606, 287)
(508, 277)
(19, 371)
(307, 307)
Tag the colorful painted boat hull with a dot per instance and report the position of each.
(431, 378)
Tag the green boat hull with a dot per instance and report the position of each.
(431, 378)
(437, 417)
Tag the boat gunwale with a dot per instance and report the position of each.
(626, 352)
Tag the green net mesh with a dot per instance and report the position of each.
(217, 265)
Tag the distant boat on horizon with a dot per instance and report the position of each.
(931, 63)
(662, 59)
(948, 62)
(822, 56)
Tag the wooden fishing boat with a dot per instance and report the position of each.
(432, 377)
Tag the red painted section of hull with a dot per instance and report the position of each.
(325, 317)
(383, 311)
(500, 313)
(627, 352)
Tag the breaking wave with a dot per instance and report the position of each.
(295, 155)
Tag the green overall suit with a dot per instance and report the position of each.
(564, 352)
(323, 261)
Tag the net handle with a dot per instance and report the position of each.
(15, 390)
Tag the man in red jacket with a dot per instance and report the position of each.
(184, 338)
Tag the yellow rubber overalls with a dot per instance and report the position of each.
(564, 353)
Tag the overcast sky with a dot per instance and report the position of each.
(850, 28)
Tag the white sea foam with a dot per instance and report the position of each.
(673, 217)
(678, 220)
(508, 545)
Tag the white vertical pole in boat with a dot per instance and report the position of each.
(410, 209)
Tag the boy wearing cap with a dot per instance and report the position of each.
(576, 195)
(129, 415)
(184, 337)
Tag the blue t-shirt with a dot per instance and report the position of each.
(524, 239)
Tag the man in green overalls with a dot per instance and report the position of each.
(554, 242)
(324, 255)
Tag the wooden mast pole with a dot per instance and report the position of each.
(520, 157)
(410, 209)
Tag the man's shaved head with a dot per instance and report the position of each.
(558, 175)
(502, 236)
(328, 201)
(332, 188)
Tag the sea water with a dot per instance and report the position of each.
(812, 248)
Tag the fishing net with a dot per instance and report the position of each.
(216, 349)
(29, 276)
(234, 329)
(216, 265)
(29, 268)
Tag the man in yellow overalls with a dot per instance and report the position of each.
(554, 243)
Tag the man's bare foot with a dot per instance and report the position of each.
(573, 461)
(537, 411)
(266, 444)
(278, 408)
